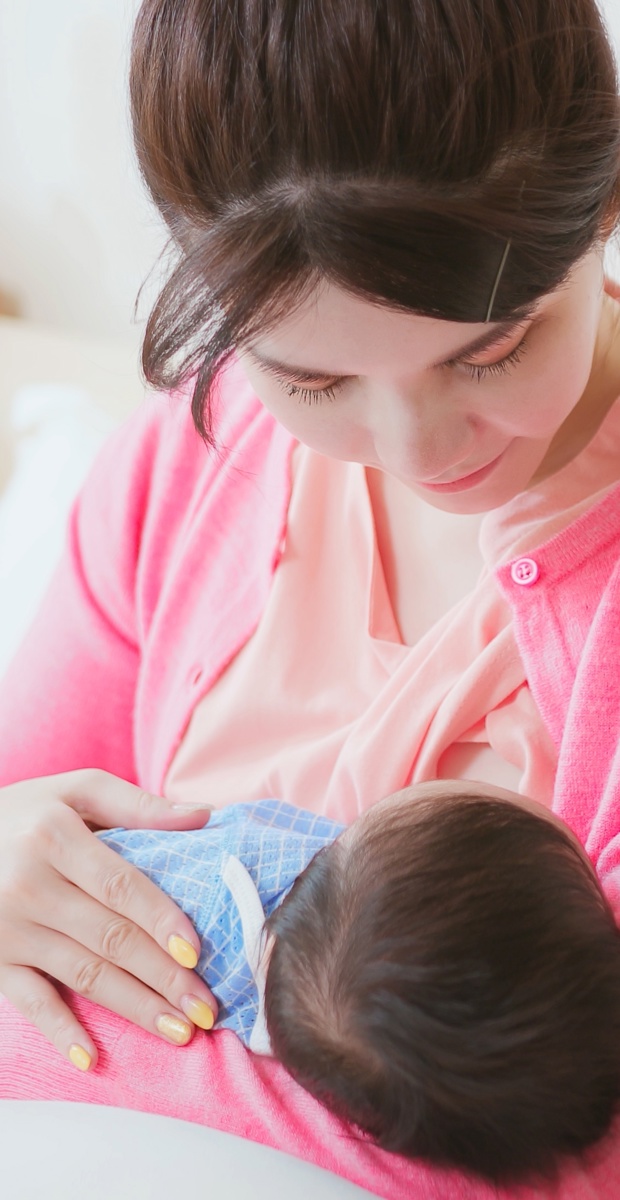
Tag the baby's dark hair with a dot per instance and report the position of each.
(447, 977)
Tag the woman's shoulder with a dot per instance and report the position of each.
(154, 465)
(162, 429)
(157, 494)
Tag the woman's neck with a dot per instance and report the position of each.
(431, 559)
(602, 390)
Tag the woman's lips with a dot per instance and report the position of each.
(466, 481)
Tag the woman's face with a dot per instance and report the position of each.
(465, 427)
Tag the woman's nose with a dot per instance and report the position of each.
(424, 437)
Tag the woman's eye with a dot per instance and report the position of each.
(479, 372)
(310, 395)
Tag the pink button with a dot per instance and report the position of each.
(525, 571)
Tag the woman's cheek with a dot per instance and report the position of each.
(545, 394)
(317, 425)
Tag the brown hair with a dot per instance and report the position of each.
(395, 148)
(449, 980)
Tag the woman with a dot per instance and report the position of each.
(398, 563)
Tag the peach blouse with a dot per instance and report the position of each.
(325, 707)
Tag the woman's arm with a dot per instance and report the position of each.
(216, 1082)
(67, 698)
(567, 628)
(69, 907)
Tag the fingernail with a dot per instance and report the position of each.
(182, 952)
(174, 1029)
(80, 1057)
(192, 807)
(198, 1012)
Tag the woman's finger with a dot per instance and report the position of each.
(80, 857)
(49, 859)
(103, 983)
(119, 941)
(108, 801)
(36, 998)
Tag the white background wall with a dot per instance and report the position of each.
(77, 236)
(611, 10)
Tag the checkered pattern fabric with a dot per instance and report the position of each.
(274, 841)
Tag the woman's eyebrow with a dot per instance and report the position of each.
(485, 341)
(301, 374)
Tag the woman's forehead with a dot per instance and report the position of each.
(333, 332)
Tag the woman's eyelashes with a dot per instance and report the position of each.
(480, 372)
(477, 371)
(313, 395)
(308, 395)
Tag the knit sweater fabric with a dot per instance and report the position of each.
(169, 562)
(228, 878)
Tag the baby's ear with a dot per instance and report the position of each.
(267, 944)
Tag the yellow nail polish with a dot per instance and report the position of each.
(80, 1057)
(198, 1012)
(182, 952)
(174, 1029)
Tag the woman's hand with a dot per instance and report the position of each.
(73, 909)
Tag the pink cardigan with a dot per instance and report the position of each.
(168, 567)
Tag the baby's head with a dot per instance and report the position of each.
(446, 975)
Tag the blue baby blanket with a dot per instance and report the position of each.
(227, 878)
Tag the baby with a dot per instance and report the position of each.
(444, 973)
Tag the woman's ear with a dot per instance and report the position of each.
(612, 287)
(267, 944)
(611, 220)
